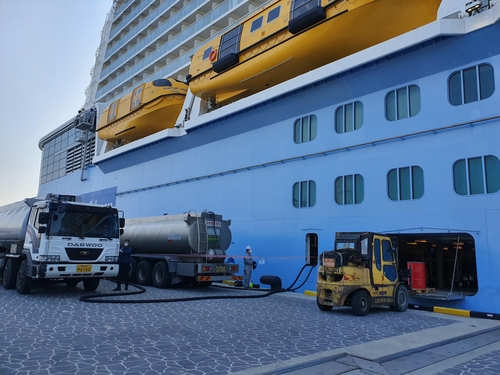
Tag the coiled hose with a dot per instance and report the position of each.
(100, 298)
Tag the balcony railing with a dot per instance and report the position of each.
(141, 25)
(171, 45)
(151, 38)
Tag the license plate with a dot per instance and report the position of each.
(84, 268)
(329, 262)
(220, 269)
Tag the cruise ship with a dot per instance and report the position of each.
(385, 126)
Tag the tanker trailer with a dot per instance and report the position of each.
(187, 248)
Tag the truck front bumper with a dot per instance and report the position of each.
(68, 270)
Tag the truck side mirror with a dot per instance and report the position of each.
(42, 230)
(122, 222)
(121, 232)
(43, 218)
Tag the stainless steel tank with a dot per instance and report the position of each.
(13, 222)
(186, 234)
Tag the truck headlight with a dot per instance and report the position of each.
(50, 258)
(111, 259)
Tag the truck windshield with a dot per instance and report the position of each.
(84, 224)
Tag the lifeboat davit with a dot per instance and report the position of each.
(286, 38)
(150, 108)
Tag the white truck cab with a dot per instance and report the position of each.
(58, 238)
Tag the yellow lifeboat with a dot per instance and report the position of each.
(287, 38)
(151, 107)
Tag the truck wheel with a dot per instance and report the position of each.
(161, 276)
(400, 299)
(144, 272)
(361, 303)
(9, 274)
(23, 282)
(91, 284)
(323, 307)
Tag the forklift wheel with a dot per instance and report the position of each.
(323, 307)
(361, 303)
(400, 299)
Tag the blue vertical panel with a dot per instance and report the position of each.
(349, 117)
(339, 191)
(358, 115)
(303, 194)
(417, 182)
(339, 120)
(404, 182)
(402, 100)
(460, 177)
(392, 184)
(359, 189)
(296, 194)
(390, 106)
(312, 193)
(455, 88)
(414, 100)
(470, 85)
(349, 190)
(314, 127)
(486, 81)
(492, 168)
(305, 129)
(476, 178)
(297, 131)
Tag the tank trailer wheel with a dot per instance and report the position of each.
(161, 276)
(91, 284)
(144, 272)
(9, 274)
(361, 303)
(23, 282)
(401, 299)
(323, 307)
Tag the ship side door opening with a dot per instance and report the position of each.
(312, 249)
(449, 259)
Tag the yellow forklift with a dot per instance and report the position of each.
(362, 272)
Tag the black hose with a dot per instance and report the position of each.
(297, 278)
(307, 278)
(95, 298)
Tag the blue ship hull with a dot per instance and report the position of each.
(242, 162)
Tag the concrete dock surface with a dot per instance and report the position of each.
(50, 331)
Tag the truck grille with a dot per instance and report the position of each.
(78, 253)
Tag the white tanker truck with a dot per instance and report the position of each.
(58, 238)
(187, 248)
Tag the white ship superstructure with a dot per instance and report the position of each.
(142, 40)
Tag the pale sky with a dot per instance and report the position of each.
(47, 49)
